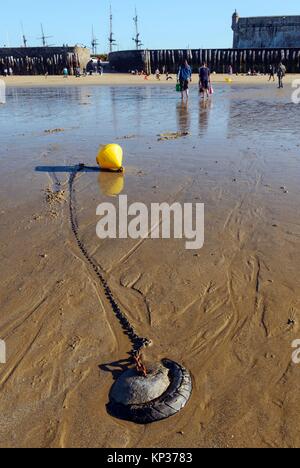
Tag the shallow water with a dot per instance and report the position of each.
(238, 119)
(91, 115)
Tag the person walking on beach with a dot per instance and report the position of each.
(204, 80)
(99, 66)
(272, 73)
(281, 74)
(184, 78)
(90, 68)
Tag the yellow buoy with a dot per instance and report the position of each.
(110, 157)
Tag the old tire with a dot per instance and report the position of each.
(169, 403)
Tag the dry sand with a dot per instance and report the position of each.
(126, 79)
(229, 312)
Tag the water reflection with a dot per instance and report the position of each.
(90, 116)
(128, 108)
(183, 117)
(111, 184)
(113, 100)
(263, 118)
(204, 113)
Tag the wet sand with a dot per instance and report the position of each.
(228, 312)
(126, 79)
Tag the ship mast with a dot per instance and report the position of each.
(23, 36)
(44, 38)
(94, 42)
(111, 39)
(136, 39)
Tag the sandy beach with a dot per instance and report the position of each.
(228, 312)
(118, 79)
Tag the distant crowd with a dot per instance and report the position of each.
(93, 66)
(185, 76)
(7, 71)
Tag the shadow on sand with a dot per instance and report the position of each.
(68, 169)
(117, 368)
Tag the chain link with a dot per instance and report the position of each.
(138, 343)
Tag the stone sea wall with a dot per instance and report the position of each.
(219, 60)
(42, 60)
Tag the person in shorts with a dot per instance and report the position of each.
(204, 80)
(184, 78)
(281, 72)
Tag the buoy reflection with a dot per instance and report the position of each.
(111, 184)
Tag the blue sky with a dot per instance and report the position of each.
(163, 23)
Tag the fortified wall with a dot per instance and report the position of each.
(266, 32)
(42, 60)
(257, 44)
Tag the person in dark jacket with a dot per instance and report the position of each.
(272, 73)
(204, 80)
(184, 78)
